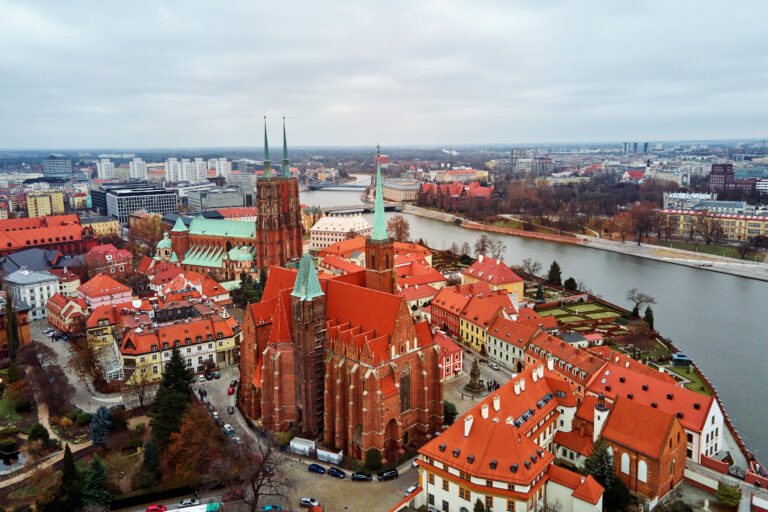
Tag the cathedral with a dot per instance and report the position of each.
(224, 248)
(339, 358)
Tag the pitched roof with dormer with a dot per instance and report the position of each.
(492, 271)
(639, 427)
(102, 285)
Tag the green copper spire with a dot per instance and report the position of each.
(179, 226)
(285, 168)
(379, 223)
(267, 168)
(307, 285)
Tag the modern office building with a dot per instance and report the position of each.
(99, 195)
(225, 197)
(123, 201)
(56, 166)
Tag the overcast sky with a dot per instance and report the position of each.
(90, 74)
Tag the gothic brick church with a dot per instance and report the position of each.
(340, 358)
(225, 248)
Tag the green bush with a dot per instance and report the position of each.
(8, 444)
(140, 427)
(373, 459)
(82, 418)
(621, 321)
(283, 438)
(38, 431)
(9, 431)
(72, 415)
(22, 406)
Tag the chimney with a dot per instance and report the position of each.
(540, 371)
(550, 364)
(535, 375)
(497, 403)
(522, 384)
(517, 387)
(467, 425)
(484, 411)
(480, 258)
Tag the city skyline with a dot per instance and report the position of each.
(188, 75)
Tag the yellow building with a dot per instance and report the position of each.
(41, 204)
(496, 274)
(737, 228)
(401, 190)
(103, 227)
(478, 315)
(482, 175)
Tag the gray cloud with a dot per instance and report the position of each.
(187, 73)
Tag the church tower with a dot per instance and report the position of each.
(267, 167)
(379, 249)
(308, 333)
(179, 239)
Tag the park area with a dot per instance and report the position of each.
(586, 318)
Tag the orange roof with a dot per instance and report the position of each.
(336, 263)
(141, 342)
(607, 354)
(585, 488)
(574, 441)
(370, 309)
(691, 407)
(492, 271)
(418, 292)
(345, 248)
(241, 211)
(30, 223)
(102, 285)
(482, 310)
(387, 386)
(566, 354)
(448, 300)
(446, 344)
(516, 333)
(647, 436)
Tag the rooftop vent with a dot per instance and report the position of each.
(680, 415)
(442, 447)
(697, 405)
(622, 379)
(513, 468)
(607, 388)
(669, 396)
(654, 405)
(540, 452)
(533, 458)
(630, 396)
(527, 464)
(494, 463)
(456, 453)
(645, 387)
(471, 459)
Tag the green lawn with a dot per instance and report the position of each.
(729, 251)
(7, 412)
(696, 383)
(604, 314)
(570, 319)
(585, 308)
(554, 312)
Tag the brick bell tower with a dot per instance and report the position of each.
(379, 249)
(180, 238)
(308, 333)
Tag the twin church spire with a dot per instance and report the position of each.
(285, 168)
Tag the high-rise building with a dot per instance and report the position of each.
(187, 170)
(172, 170)
(45, 203)
(223, 167)
(626, 148)
(105, 169)
(634, 147)
(138, 169)
(201, 170)
(645, 147)
(122, 202)
(659, 146)
(56, 166)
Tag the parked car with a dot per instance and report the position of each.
(236, 439)
(188, 502)
(201, 378)
(220, 422)
(316, 468)
(493, 366)
(336, 473)
(233, 384)
(203, 392)
(271, 508)
(389, 474)
(156, 508)
(206, 400)
(362, 477)
(230, 390)
(211, 407)
(309, 502)
(230, 409)
(216, 375)
(233, 495)
(228, 430)
(414, 463)
(215, 415)
(208, 376)
(410, 489)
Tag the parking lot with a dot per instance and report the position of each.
(334, 494)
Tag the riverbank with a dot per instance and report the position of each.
(713, 263)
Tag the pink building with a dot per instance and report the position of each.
(450, 356)
(102, 290)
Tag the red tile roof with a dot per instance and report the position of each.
(334, 263)
(492, 271)
(481, 311)
(446, 344)
(101, 252)
(102, 285)
(585, 488)
(418, 292)
(668, 397)
(515, 333)
(607, 354)
(387, 386)
(345, 248)
(647, 436)
(566, 354)
(574, 441)
(241, 211)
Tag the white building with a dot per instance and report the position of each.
(105, 169)
(32, 288)
(221, 165)
(172, 170)
(336, 228)
(138, 168)
(201, 170)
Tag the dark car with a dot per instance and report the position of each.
(336, 473)
(316, 468)
(211, 407)
(389, 474)
(233, 495)
(208, 376)
(362, 477)
(230, 409)
(203, 392)
(216, 375)
(233, 384)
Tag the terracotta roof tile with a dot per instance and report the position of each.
(647, 436)
(102, 285)
(492, 271)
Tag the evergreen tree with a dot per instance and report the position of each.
(176, 375)
(539, 293)
(570, 284)
(167, 411)
(101, 423)
(636, 311)
(727, 495)
(94, 484)
(600, 464)
(554, 276)
(69, 473)
(151, 454)
(11, 327)
(263, 276)
(373, 459)
(648, 317)
(67, 495)
(38, 431)
(479, 507)
(450, 413)
(13, 374)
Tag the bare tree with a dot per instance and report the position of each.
(531, 267)
(639, 298)
(86, 363)
(466, 249)
(263, 470)
(398, 229)
(497, 249)
(141, 382)
(482, 245)
(711, 230)
(454, 249)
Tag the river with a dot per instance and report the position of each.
(716, 319)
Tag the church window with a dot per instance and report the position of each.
(405, 389)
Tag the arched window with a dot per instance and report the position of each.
(642, 471)
(625, 463)
(405, 388)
